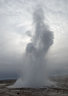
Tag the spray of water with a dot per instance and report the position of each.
(34, 69)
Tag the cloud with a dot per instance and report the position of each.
(16, 29)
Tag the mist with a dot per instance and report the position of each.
(34, 72)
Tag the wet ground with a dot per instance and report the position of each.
(60, 90)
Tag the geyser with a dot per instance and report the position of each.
(34, 68)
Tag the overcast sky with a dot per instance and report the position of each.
(16, 29)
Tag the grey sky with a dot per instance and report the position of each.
(16, 29)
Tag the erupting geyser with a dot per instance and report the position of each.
(34, 70)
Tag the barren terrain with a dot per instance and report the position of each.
(60, 90)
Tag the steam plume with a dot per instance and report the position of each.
(34, 70)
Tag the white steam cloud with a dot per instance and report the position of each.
(34, 69)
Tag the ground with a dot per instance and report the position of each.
(60, 90)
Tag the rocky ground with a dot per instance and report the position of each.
(60, 90)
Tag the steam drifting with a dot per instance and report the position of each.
(34, 68)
